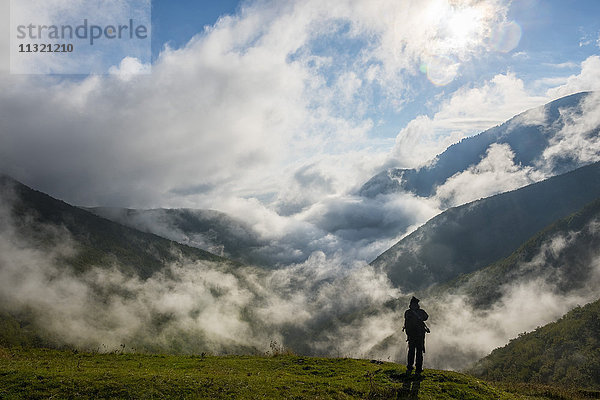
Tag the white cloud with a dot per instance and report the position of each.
(587, 79)
(578, 141)
(187, 306)
(535, 295)
(245, 99)
(128, 68)
(551, 81)
(523, 307)
(564, 65)
(495, 173)
(521, 55)
(467, 112)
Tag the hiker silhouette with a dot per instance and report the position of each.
(415, 328)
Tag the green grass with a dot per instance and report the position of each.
(42, 374)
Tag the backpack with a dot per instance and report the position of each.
(413, 324)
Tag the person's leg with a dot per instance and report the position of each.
(411, 356)
(419, 351)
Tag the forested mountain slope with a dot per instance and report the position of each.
(563, 352)
(564, 255)
(466, 238)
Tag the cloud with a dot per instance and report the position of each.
(308, 208)
(523, 307)
(563, 65)
(128, 68)
(551, 82)
(313, 211)
(255, 93)
(346, 227)
(586, 80)
(495, 173)
(577, 141)
(468, 111)
(362, 218)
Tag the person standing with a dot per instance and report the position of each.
(415, 328)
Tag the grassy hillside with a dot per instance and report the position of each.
(35, 374)
(466, 238)
(564, 352)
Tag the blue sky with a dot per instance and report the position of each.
(176, 22)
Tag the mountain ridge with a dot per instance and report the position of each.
(211, 230)
(527, 141)
(567, 266)
(442, 248)
(140, 252)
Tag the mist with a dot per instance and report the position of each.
(537, 292)
(348, 228)
(323, 306)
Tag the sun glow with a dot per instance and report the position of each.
(457, 30)
(464, 28)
